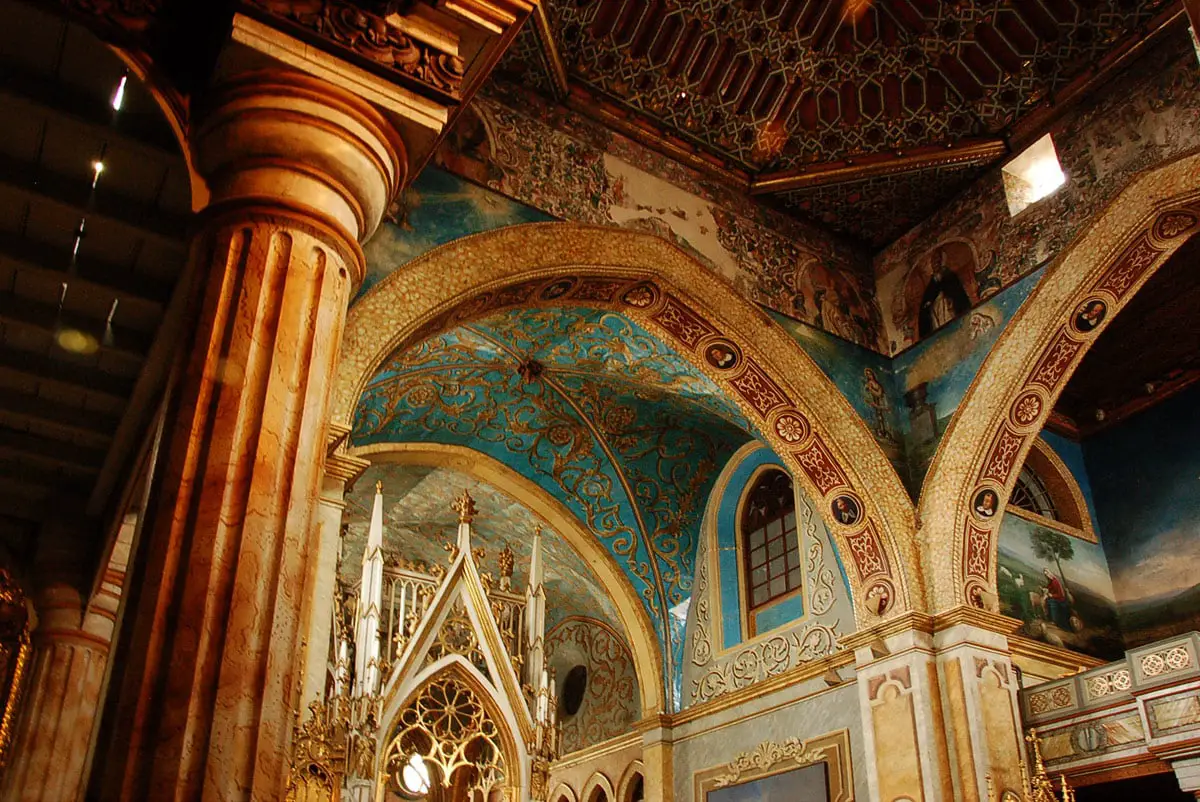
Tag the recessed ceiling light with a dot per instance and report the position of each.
(119, 95)
(76, 341)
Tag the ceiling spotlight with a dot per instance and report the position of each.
(76, 341)
(119, 95)
(97, 169)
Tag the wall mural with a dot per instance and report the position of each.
(1059, 585)
(971, 249)
(907, 401)
(608, 706)
(1149, 514)
(418, 519)
(575, 169)
(596, 410)
(435, 209)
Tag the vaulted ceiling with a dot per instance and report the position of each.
(87, 269)
(601, 414)
(418, 519)
(864, 115)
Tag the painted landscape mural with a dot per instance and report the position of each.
(1059, 585)
(1145, 475)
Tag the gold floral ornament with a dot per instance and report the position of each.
(312, 777)
(14, 657)
(1039, 788)
(766, 755)
(464, 505)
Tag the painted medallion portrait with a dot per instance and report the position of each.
(1090, 315)
(721, 355)
(558, 289)
(846, 510)
(986, 503)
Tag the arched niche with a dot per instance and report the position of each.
(778, 387)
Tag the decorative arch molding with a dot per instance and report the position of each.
(797, 409)
(597, 782)
(1007, 404)
(1064, 491)
(562, 793)
(633, 771)
(641, 637)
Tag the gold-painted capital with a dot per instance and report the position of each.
(281, 137)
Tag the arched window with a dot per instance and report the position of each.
(1031, 495)
(1048, 492)
(769, 541)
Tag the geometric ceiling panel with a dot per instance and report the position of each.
(879, 209)
(601, 414)
(777, 91)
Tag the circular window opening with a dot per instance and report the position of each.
(574, 687)
(414, 778)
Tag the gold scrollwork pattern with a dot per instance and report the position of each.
(609, 706)
(766, 755)
(712, 673)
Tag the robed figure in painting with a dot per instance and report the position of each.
(944, 298)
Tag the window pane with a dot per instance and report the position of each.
(778, 567)
(773, 528)
(776, 547)
(759, 595)
(757, 557)
(756, 538)
(793, 556)
(759, 576)
(789, 521)
(793, 578)
(778, 586)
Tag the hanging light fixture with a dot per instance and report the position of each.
(118, 96)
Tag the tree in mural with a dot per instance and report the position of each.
(1048, 545)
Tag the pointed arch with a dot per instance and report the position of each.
(595, 785)
(643, 643)
(1010, 399)
(456, 669)
(633, 772)
(778, 387)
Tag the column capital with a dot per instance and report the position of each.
(279, 142)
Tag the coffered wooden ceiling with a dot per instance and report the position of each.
(862, 114)
(72, 418)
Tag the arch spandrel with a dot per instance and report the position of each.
(1007, 404)
(777, 386)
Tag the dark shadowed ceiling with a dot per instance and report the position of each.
(862, 114)
(1150, 351)
(79, 368)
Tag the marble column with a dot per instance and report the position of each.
(300, 172)
(321, 579)
(66, 672)
(939, 706)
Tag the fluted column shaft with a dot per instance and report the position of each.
(55, 725)
(299, 172)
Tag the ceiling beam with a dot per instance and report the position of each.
(106, 277)
(49, 451)
(25, 313)
(76, 194)
(22, 507)
(55, 413)
(80, 109)
(42, 367)
(977, 152)
(15, 472)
